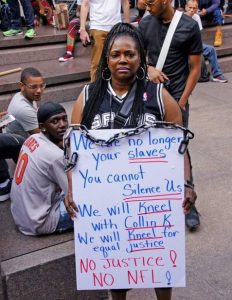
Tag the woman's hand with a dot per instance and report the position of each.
(70, 205)
(189, 198)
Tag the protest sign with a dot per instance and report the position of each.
(129, 231)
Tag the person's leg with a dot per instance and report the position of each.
(15, 19)
(29, 19)
(28, 13)
(10, 145)
(163, 293)
(99, 37)
(73, 30)
(118, 295)
(210, 54)
(192, 219)
(218, 20)
(4, 174)
(5, 182)
(65, 222)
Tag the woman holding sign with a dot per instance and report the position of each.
(122, 97)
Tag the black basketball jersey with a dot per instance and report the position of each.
(153, 108)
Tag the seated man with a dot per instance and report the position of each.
(23, 107)
(40, 182)
(209, 51)
(210, 10)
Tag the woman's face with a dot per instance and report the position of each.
(124, 59)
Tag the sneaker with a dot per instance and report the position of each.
(12, 32)
(30, 33)
(218, 39)
(5, 192)
(66, 57)
(192, 219)
(220, 78)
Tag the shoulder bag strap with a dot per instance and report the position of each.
(168, 39)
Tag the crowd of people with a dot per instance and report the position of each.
(123, 66)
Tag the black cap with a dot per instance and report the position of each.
(48, 110)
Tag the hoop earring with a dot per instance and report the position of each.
(104, 73)
(142, 73)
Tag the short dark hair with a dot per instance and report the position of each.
(29, 72)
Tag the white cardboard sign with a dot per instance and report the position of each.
(130, 231)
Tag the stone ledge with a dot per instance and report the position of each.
(45, 274)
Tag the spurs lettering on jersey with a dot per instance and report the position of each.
(104, 120)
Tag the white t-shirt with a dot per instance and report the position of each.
(39, 177)
(25, 113)
(104, 14)
(197, 18)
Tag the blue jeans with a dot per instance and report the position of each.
(65, 222)
(215, 17)
(15, 13)
(210, 54)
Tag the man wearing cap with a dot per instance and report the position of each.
(39, 182)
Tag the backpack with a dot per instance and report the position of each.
(5, 16)
(204, 77)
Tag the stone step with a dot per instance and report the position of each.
(38, 267)
(208, 34)
(53, 71)
(44, 35)
(225, 64)
(37, 53)
(64, 80)
(54, 51)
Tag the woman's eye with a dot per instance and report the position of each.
(114, 55)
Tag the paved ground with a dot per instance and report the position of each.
(209, 251)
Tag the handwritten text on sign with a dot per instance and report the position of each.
(130, 227)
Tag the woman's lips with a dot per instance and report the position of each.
(123, 70)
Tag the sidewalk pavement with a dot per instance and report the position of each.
(209, 250)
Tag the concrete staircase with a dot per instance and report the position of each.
(65, 80)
